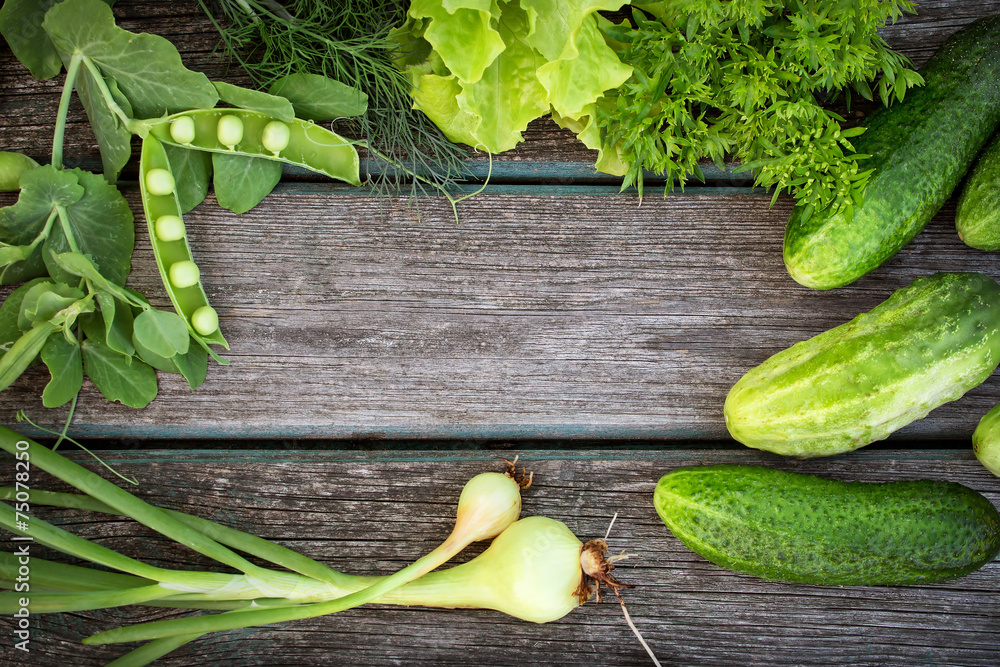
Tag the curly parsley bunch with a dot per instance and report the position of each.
(747, 78)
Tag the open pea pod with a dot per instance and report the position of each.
(255, 134)
(170, 247)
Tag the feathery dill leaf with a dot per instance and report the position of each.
(347, 40)
(746, 78)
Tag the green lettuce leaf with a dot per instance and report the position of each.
(509, 94)
(484, 92)
(460, 32)
(588, 68)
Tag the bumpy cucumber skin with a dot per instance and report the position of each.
(986, 441)
(977, 218)
(920, 149)
(927, 344)
(796, 528)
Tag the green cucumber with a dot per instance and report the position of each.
(977, 218)
(927, 344)
(986, 441)
(920, 149)
(797, 528)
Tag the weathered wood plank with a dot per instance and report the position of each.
(538, 315)
(28, 107)
(370, 513)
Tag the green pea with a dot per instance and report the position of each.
(182, 129)
(205, 320)
(184, 273)
(159, 182)
(276, 136)
(169, 228)
(230, 130)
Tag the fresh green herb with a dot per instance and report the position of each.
(747, 78)
(348, 42)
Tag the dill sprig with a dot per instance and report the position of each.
(349, 41)
(748, 79)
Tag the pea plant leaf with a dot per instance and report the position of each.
(162, 332)
(147, 68)
(98, 225)
(255, 100)
(42, 190)
(65, 364)
(119, 378)
(193, 365)
(29, 302)
(165, 364)
(192, 172)
(118, 323)
(114, 300)
(70, 210)
(21, 26)
(49, 302)
(113, 138)
(316, 97)
(241, 182)
(76, 264)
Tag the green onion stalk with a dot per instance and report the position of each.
(535, 569)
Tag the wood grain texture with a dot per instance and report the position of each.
(371, 513)
(538, 315)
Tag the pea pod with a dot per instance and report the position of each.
(256, 134)
(166, 235)
(23, 352)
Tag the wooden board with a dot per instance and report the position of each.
(556, 313)
(371, 514)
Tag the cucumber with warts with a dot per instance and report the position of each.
(784, 526)
(977, 218)
(920, 149)
(927, 344)
(986, 441)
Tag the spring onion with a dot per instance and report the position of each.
(535, 569)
